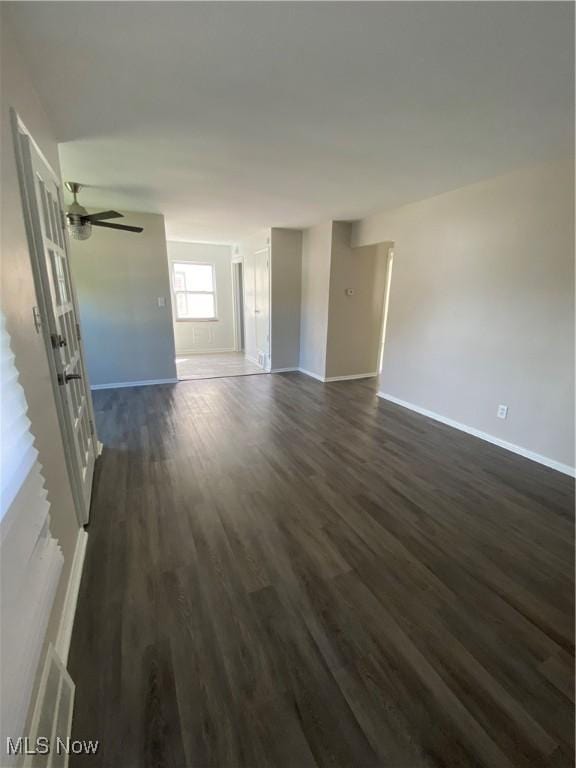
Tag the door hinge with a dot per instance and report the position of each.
(78, 336)
(91, 428)
(63, 219)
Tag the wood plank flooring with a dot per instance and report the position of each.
(287, 573)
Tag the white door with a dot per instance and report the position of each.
(46, 224)
(238, 295)
(262, 304)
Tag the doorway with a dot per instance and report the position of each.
(388, 284)
(262, 306)
(238, 298)
(211, 289)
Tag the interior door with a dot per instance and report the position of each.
(46, 223)
(238, 290)
(262, 304)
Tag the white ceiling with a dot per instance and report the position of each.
(228, 117)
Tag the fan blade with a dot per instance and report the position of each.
(117, 226)
(103, 215)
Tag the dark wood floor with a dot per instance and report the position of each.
(286, 573)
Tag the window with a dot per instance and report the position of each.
(194, 290)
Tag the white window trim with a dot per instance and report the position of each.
(175, 293)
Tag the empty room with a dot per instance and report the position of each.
(287, 387)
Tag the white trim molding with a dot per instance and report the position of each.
(537, 457)
(71, 599)
(283, 370)
(144, 383)
(352, 377)
(312, 375)
(328, 379)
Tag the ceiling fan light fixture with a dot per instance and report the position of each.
(80, 222)
(79, 228)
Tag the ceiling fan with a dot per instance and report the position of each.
(80, 222)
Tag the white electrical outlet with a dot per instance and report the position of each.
(161, 301)
(502, 411)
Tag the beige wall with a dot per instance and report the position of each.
(119, 278)
(18, 298)
(217, 336)
(285, 280)
(354, 322)
(316, 250)
(482, 306)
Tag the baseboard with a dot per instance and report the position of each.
(353, 376)
(552, 463)
(144, 383)
(327, 379)
(210, 351)
(71, 599)
(283, 370)
(312, 375)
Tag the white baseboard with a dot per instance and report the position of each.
(209, 351)
(144, 383)
(552, 463)
(70, 601)
(312, 375)
(283, 370)
(353, 376)
(327, 379)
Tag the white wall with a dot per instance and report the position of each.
(208, 336)
(19, 297)
(354, 322)
(285, 288)
(482, 306)
(316, 252)
(119, 277)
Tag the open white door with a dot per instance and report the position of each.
(49, 248)
(262, 305)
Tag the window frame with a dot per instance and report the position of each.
(213, 292)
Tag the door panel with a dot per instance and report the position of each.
(50, 252)
(262, 303)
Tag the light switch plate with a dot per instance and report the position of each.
(502, 411)
(161, 301)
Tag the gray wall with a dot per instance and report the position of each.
(206, 336)
(482, 306)
(286, 278)
(316, 250)
(18, 299)
(119, 277)
(354, 322)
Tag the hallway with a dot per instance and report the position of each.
(286, 573)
